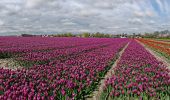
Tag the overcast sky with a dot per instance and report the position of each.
(111, 16)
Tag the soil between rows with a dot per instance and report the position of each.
(9, 63)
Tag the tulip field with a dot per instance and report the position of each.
(160, 46)
(72, 68)
(138, 75)
(61, 68)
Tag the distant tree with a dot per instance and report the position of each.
(134, 35)
(68, 34)
(107, 35)
(85, 34)
(27, 35)
(165, 32)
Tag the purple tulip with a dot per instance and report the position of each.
(139, 72)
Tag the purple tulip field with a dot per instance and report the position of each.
(72, 68)
(62, 68)
(138, 75)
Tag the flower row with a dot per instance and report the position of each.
(70, 77)
(162, 47)
(138, 75)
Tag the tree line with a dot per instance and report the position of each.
(158, 34)
(85, 34)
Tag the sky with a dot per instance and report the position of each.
(108, 16)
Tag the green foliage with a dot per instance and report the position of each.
(1, 92)
(85, 34)
(64, 35)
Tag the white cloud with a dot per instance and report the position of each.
(36, 3)
(114, 27)
(139, 14)
(134, 28)
(135, 21)
(1, 23)
(32, 3)
(150, 13)
(84, 30)
(152, 22)
(69, 23)
(77, 15)
(144, 14)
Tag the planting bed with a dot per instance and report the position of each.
(72, 72)
(162, 48)
(138, 75)
(72, 68)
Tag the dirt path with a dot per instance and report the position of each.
(9, 64)
(156, 55)
(96, 94)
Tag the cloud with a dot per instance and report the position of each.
(1, 23)
(33, 3)
(139, 14)
(69, 23)
(134, 28)
(36, 3)
(104, 5)
(113, 16)
(149, 14)
(115, 27)
(144, 14)
(84, 30)
(151, 22)
(135, 21)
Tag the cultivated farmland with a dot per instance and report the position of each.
(160, 46)
(37, 68)
(138, 75)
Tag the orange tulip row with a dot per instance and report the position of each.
(161, 43)
(157, 45)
